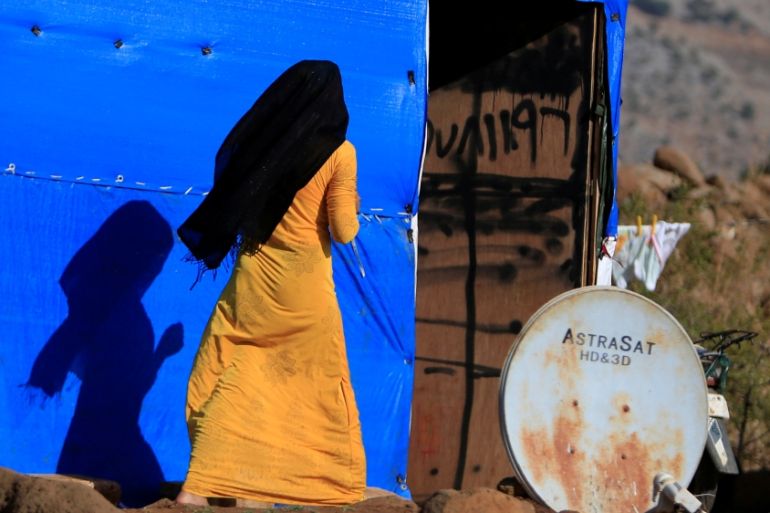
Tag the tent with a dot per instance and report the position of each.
(112, 113)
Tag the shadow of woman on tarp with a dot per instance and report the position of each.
(108, 341)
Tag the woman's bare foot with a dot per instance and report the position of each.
(190, 498)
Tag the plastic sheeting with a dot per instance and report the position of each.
(615, 30)
(112, 113)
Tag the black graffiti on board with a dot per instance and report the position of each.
(502, 203)
(521, 121)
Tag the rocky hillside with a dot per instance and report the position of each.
(718, 277)
(696, 75)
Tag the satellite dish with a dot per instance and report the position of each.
(601, 391)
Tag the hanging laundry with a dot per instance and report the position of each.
(641, 251)
(604, 267)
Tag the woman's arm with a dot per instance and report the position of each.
(342, 195)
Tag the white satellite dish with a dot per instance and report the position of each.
(601, 391)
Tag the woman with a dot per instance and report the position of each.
(270, 407)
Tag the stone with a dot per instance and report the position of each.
(476, 500)
(717, 181)
(754, 202)
(512, 486)
(20, 493)
(763, 183)
(678, 162)
(110, 490)
(697, 193)
(633, 180)
(387, 503)
(707, 218)
(660, 178)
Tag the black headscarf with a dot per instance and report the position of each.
(270, 154)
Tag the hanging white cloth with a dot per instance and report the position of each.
(641, 254)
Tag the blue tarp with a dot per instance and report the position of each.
(112, 113)
(615, 31)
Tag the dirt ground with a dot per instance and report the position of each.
(20, 493)
(377, 505)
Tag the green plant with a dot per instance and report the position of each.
(710, 284)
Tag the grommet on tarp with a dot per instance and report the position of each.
(615, 17)
(206, 50)
(410, 76)
(11, 168)
(36, 30)
(119, 179)
(118, 43)
(401, 480)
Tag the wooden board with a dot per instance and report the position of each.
(502, 229)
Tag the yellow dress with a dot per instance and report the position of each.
(270, 407)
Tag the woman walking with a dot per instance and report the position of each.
(270, 406)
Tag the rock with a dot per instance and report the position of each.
(476, 500)
(699, 192)
(660, 178)
(754, 211)
(636, 180)
(676, 161)
(389, 503)
(707, 218)
(159, 505)
(372, 491)
(754, 203)
(110, 490)
(717, 181)
(512, 486)
(26, 494)
(763, 183)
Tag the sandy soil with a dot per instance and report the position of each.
(20, 493)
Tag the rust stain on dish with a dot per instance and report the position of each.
(627, 469)
(557, 455)
(626, 475)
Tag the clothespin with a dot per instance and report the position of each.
(638, 226)
(653, 242)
